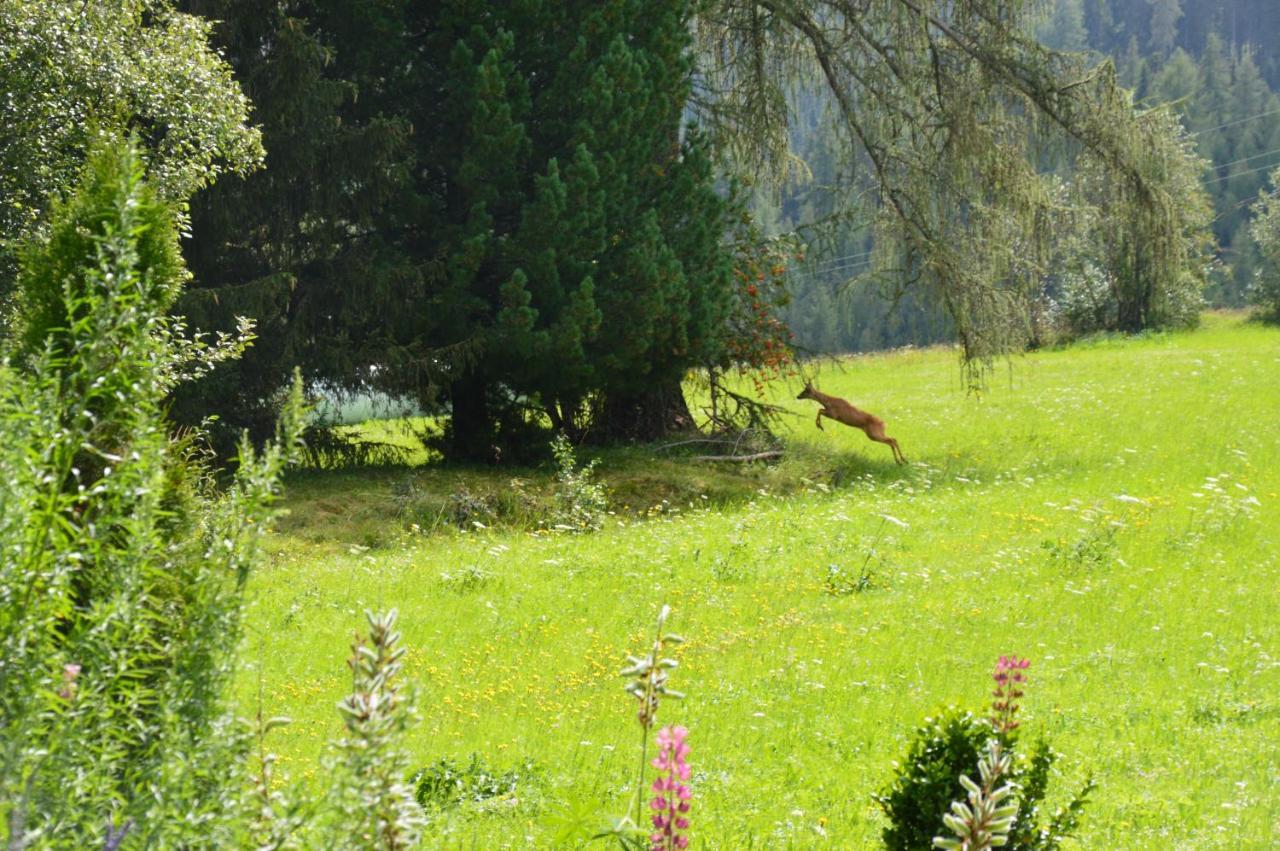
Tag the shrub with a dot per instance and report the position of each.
(950, 746)
(927, 779)
(124, 570)
(1088, 301)
(580, 501)
(123, 565)
(1094, 548)
(1264, 292)
(445, 783)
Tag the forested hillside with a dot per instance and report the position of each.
(1215, 62)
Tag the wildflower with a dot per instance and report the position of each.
(1009, 677)
(672, 801)
(69, 674)
(650, 674)
(986, 819)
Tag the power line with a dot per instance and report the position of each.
(1267, 167)
(1245, 160)
(836, 261)
(843, 261)
(848, 268)
(1237, 121)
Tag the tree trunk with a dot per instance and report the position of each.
(471, 436)
(652, 414)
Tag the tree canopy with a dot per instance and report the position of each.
(497, 209)
(77, 73)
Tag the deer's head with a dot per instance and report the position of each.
(807, 392)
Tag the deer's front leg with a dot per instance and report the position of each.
(818, 421)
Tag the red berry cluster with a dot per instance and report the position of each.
(759, 343)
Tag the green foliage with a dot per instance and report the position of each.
(125, 568)
(371, 803)
(306, 246)
(1265, 230)
(1112, 265)
(986, 818)
(949, 746)
(445, 783)
(927, 779)
(580, 501)
(1094, 548)
(840, 581)
(945, 112)
(588, 229)
(544, 245)
(77, 74)
(55, 284)
(124, 564)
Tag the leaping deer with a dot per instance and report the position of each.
(838, 409)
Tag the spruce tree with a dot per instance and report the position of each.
(586, 268)
(300, 247)
(1164, 24)
(1064, 28)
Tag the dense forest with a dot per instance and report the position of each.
(1213, 61)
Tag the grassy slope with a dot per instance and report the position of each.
(1155, 661)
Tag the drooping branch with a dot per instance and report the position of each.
(946, 106)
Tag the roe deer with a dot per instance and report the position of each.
(842, 412)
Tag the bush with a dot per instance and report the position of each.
(125, 565)
(1264, 292)
(446, 783)
(1088, 301)
(927, 780)
(580, 501)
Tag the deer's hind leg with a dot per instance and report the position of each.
(876, 432)
(897, 453)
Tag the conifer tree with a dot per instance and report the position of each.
(950, 103)
(1164, 24)
(300, 247)
(592, 268)
(1064, 28)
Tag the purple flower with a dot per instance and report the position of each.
(1008, 676)
(671, 805)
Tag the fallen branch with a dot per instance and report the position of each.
(759, 456)
(720, 440)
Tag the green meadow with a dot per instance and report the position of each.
(1107, 510)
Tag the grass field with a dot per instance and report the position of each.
(1107, 510)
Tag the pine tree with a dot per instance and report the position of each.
(1101, 25)
(1164, 24)
(297, 247)
(1178, 83)
(1064, 29)
(602, 278)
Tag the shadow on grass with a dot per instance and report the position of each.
(377, 506)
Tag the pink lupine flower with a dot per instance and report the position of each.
(1008, 676)
(671, 803)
